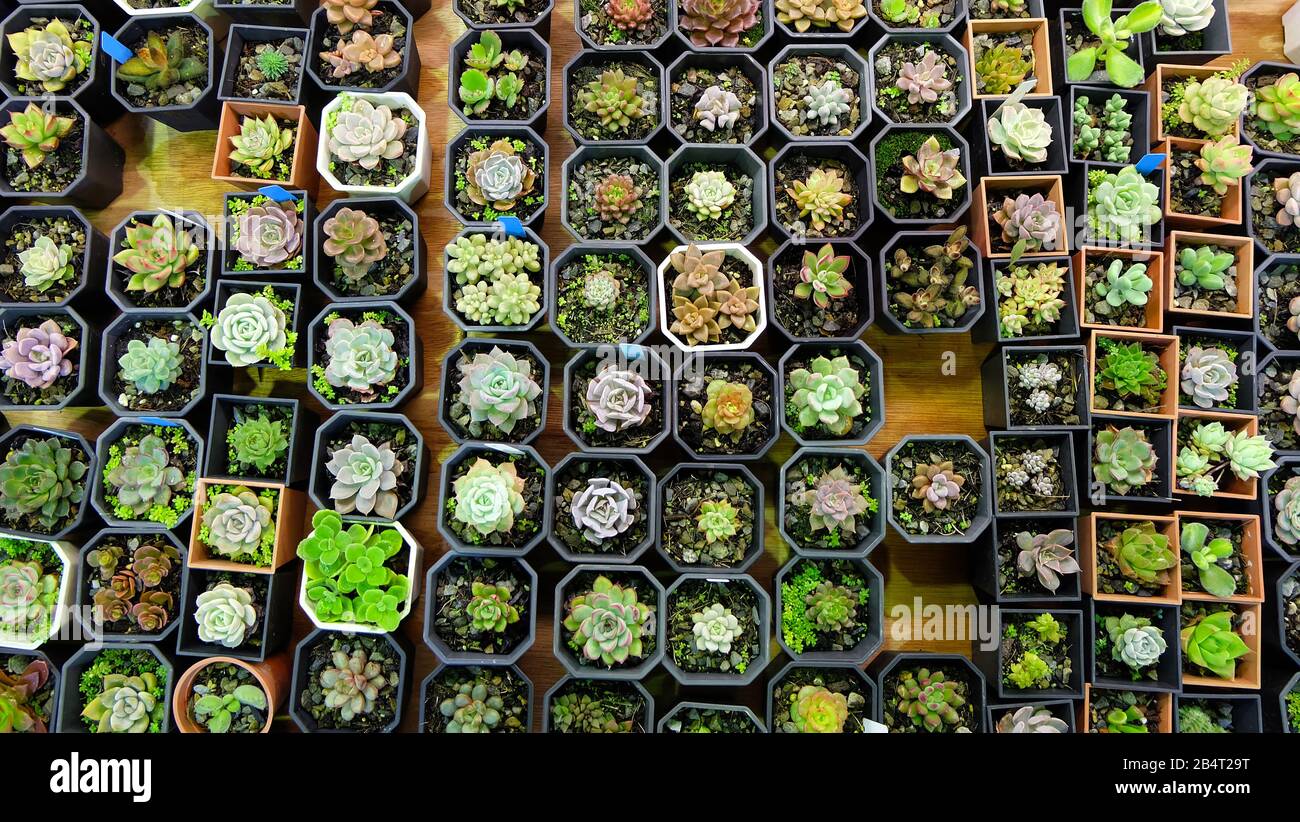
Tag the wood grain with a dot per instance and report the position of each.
(166, 168)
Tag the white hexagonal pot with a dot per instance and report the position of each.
(67, 552)
(414, 564)
(736, 251)
(410, 189)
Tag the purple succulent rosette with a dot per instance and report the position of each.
(38, 356)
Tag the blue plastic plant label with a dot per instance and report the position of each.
(114, 48)
(511, 226)
(279, 194)
(1149, 163)
(160, 421)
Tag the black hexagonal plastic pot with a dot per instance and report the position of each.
(873, 401)
(291, 292)
(320, 89)
(696, 366)
(1162, 440)
(473, 450)
(397, 643)
(449, 392)
(1062, 709)
(983, 508)
(414, 366)
(1243, 342)
(200, 115)
(87, 266)
(1278, 578)
(986, 574)
(200, 233)
(756, 39)
(892, 661)
(836, 51)
(875, 489)
(106, 440)
(411, 288)
(230, 256)
(532, 216)
(318, 488)
(280, 14)
(1265, 394)
(579, 580)
(820, 150)
(1061, 54)
(991, 162)
(1169, 669)
(511, 39)
(92, 94)
(606, 61)
(643, 155)
(958, 17)
(98, 183)
(1063, 442)
(1247, 710)
(449, 284)
(666, 723)
(301, 424)
(85, 356)
(53, 680)
(277, 604)
(650, 505)
(848, 670)
(717, 62)
(1286, 467)
(1267, 345)
(669, 24)
(788, 257)
(627, 687)
(1259, 74)
(90, 625)
(14, 438)
(949, 46)
(445, 668)
(71, 702)
(1292, 686)
(643, 361)
(992, 661)
(439, 645)
(993, 385)
(539, 22)
(755, 549)
(1076, 196)
(108, 366)
(743, 161)
(762, 621)
(634, 257)
(243, 34)
(1136, 103)
(1065, 329)
(919, 239)
(961, 198)
(866, 647)
(1216, 41)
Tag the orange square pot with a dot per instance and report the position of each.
(1248, 674)
(1089, 527)
(1231, 210)
(1252, 554)
(1040, 45)
(1154, 318)
(287, 519)
(1167, 346)
(1156, 80)
(1164, 708)
(1049, 185)
(1230, 486)
(302, 166)
(1243, 247)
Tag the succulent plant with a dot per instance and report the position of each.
(827, 394)
(1276, 106)
(272, 63)
(932, 170)
(607, 624)
(937, 485)
(42, 478)
(925, 80)
(1287, 192)
(826, 101)
(1047, 556)
(365, 478)
(513, 299)
(366, 134)
(498, 388)
(1211, 643)
(38, 357)
(48, 55)
(629, 15)
(821, 198)
(472, 710)
(818, 710)
(1204, 267)
(354, 240)
(269, 234)
(1029, 672)
(1135, 641)
(1001, 67)
(619, 399)
(1029, 295)
(489, 608)
(1130, 372)
(126, 704)
(1213, 105)
(45, 264)
(259, 143)
(217, 712)
(834, 502)
(1122, 206)
(1030, 222)
(1223, 163)
(717, 22)
(717, 109)
(249, 328)
(717, 520)
(1181, 17)
(480, 257)
(1194, 719)
(708, 194)
(29, 597)
(1124, 285)
(580, 713)
(600, 290)
(930, 700)
(603, 509)
(1030, 719)
(831, 608)
(1206, 554)
(715, 629)
(346, 15)
(352, 683)
(17, 688)
(1143, 554)
(160, 64)
(144, 476)
(347, 574)
(1123, 459)
(803, 15)
(821, 276)
(728, 410)
(372, 53)
(359, 356)
(157, 254)
(1286, 508)
(614, 98)
(488, 497)
(235, 522)
(225, 615)
(618, 199)
(1208, 375)
(695, 321)
(497, 176)
(1113, 37)
(1021, 132)
(698, 272)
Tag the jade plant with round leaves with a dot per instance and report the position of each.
(347, 573)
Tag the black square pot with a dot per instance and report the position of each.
(100, 181)
(1136, 103)
(320, 89)
(409, 291)
(1263, 176)
(1244, 343)
(568, 587)
(743, 161)
(71, 703)
(765, 26)
(1287, 344)
(993, 385)
(890, 321)
(523, 39)
(107, 439)
(1276, 639)
(450, 656)
(1247, 714)
(319, 487)
(1077, 197)
(286, 291)
(13, 439)
(790, 252)
(1286, 467)
(1062, 709)
(991, 162)
(85, 612)
(92, 94)
(1160, 434)
(952, 664)
(1064, 443)
(201, 115)
(230, 257)
(715, 61)
(1216, 42)
(961, 199)
(865, 90)
(534, 219)
(397, 643)
(988, 568)
(82, 391)
(445, 668)
(856, 165)
(302, 425)
(53, 679)
(665, 724)
(88, 267)
(875, 616)
(762, 621)
(281, 14)
(1290, 687)
(990, 660)
(644, 723)
(876, 489)
(650, 503)
(958, 17)
(644, 362)
(848, 670)
(108, 365)
(943, 42)
(414, 367)
(1066, 329)
(1169, 669)
(984, 509)
(243, 34)
(449, 285)
(1061, 58)
(200, 232)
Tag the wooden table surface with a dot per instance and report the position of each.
(169, 169)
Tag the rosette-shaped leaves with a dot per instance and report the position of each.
(225, 615)
(37, 356)
(717, 22)
(248, 328)
(607, 623)
(619, 399)
(828, 394)
(43, 479)
(487, 497)
(359, 356)
(366, 134)
(365, 478)
(145, 477)
(603, 509)
(269, 234)
(498, 388)
(235, 522)
(157, 254)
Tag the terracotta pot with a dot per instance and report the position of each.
(1088, 552)
(1040, 45)
(288, 521)
(1164, 704)
(272, 675)
(1243, 247)
(1155, 262)
(302, 172)
(1251, 550)
(1248, 673)
(1231, 209)
(1155, 82)
(1167, 346)
(1230, 485)
(1049, 185)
